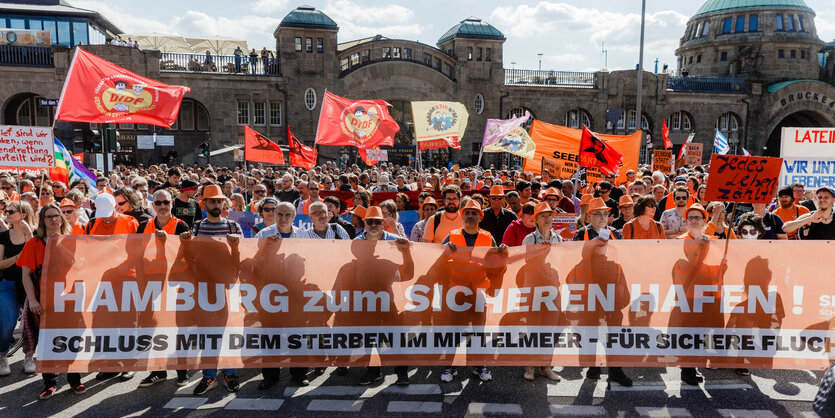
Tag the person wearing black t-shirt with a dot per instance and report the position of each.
(818, 224)
(287, 191)
(185, 207)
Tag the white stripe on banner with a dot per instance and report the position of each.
(207, 342)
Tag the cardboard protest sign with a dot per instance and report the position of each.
(737, 178)
(662, 160)
(206, 303)
(26, 146)
(554, 168)
(693, 153)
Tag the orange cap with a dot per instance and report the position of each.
(472, 205)
(429, 201)
(541, 208)
(552, 191)
(585, 199)
(596, 204)
(67, 203)
(697, 207)
(212, 191)
(373, 212)
(359, 211)
(625, 200)
(497, 191)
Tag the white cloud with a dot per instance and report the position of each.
(268, 6)
(358, 20)
(123, 20)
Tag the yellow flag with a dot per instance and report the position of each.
(517, 142)
(436, 120)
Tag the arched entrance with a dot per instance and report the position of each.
(801, 119)
(25, 109)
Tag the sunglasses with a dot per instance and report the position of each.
(162, 202)
(268, 209)
(10, 212)
(260, 192)
(8, 188)
(68, 212)
(695, 218)
(680, 198)
(121, 203)
(52, 217)
(373, 222)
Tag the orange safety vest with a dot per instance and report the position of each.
(468, 273)
(77, 229)
(122, 226)
(169, 228)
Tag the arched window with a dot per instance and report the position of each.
(728, 122)
(644, 121)
(681, 121)
(310, 98)
(30, 112)
(478, 103)
(575, 118)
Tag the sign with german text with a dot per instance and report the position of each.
(736, 178)
(693, 153)
(554, 168)
(662, 160)
(808, 142)
(811, 172)
(26, 146)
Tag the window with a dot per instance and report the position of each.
(298, 43)
(275, 113)
(478, 52)
(698, 30)
(447, 70)
(355, 59)
(803, 54)
(427, 59)
(726, 27)
(17, 24)
(259, 113)
(53, 33)
(395, 52)
(79, 33)
(792, 54)
(469, 53)
(644, 122)
(35, 24)
(680, 121)
(690, 61)
(724, 56)
(478, 103)
(698, 58)
(740, 24)
(187, 115)
(243, 112)
(407, 53)
(705, 28)
(621, 121)
(779, 21)
(728, 122)
(310, 98)
(799, 23)
(202, 117)
(436, 63)
(575, 118)
(790, 21)
(753, 23)
(386, 52)
(308, 45)
(64, 33)
(320, 45)
(781, 54)
(344, 64)
(489, 56)
(365, 56)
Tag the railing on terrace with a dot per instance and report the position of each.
(26, 56)
(549, 78)
(218, 64)
(349, 68)
(706, 85)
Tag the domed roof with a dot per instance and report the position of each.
(473, 28)
(717, 6)
(307, 17)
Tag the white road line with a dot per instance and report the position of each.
(324, 390)
(138, 413)
(188, 389)
(746, 413)
(662, 412)
(414, 407)
(185, 403)
(578, 410)
(334, 405)
(572, 388)
(809, 414)
(221, 403)
(253, 404)
(477, 408)
(387, 387)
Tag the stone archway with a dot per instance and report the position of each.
(800, 119)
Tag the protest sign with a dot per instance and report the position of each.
(565, 224)
(207, 303)
(246, 220)
(377, 154)
(662, 160)
(811, 172)
(554, 168)
(693, 153)
(807, 142)
(743, 179)
(26, 146)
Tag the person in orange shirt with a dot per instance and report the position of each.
(696, 218)
(108, 221)
(439, 225)
(788, 210)
(643, 226)
(69, 209)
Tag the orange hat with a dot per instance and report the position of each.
(497, 191)
(359, 211)
(552, 191)
(597, 204)
(68, 203)
(212, 191)
(472, 205)
(585, 199)
(625, 200)
(541, 208)
(697, 207)
(373, 212)
(429, 201)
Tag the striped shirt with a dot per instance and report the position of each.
(339, 233)
(204, 228)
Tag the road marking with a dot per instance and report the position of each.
(477, 408)
(188, 389)
(662, 412)
(785, 390)
(185, 403)
(221, 403)
(334, 405)
(572, 388)
(578, 410)
(324, 390)
(138, 413)
(387, 387)
(413, 407)
(746, 413)
(252, 404)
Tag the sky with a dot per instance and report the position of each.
(570, 35)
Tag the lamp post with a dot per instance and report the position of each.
(540, 61)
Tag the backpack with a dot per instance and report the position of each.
(436, 220)
(335, 233)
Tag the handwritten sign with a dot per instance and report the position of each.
(26, 146)
(743, 179)
(554, 168)
(662, 160)
(377, 154)
(693, 153)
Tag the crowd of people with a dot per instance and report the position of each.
(469, 207)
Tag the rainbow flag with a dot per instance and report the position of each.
(68, 169)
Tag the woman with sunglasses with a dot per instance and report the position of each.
(21, 221)
(71, 212)
(266, 210)
(52, 223)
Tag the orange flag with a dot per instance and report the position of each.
(259, 148)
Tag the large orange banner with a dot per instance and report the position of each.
(145, 303)
(563, 144)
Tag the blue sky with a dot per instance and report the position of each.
(569, 34)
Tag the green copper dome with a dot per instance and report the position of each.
(473, 28)
(307, 17)
(716, 6)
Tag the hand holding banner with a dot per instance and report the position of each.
(742, 179)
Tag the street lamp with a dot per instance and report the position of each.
(540, 61)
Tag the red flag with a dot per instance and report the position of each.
(79, 157)
(364, 155)
(684, 145)
(362, 123)
(99, 91)
(595, 153)
(665, 135)
(450, 141)
(301, 155)
(259, 148)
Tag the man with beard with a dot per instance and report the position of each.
(439, 225)
(673, 219)
(497, 218)
(817, 224)
(788, 210)
(287, 193)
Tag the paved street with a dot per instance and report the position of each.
(657, 392)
